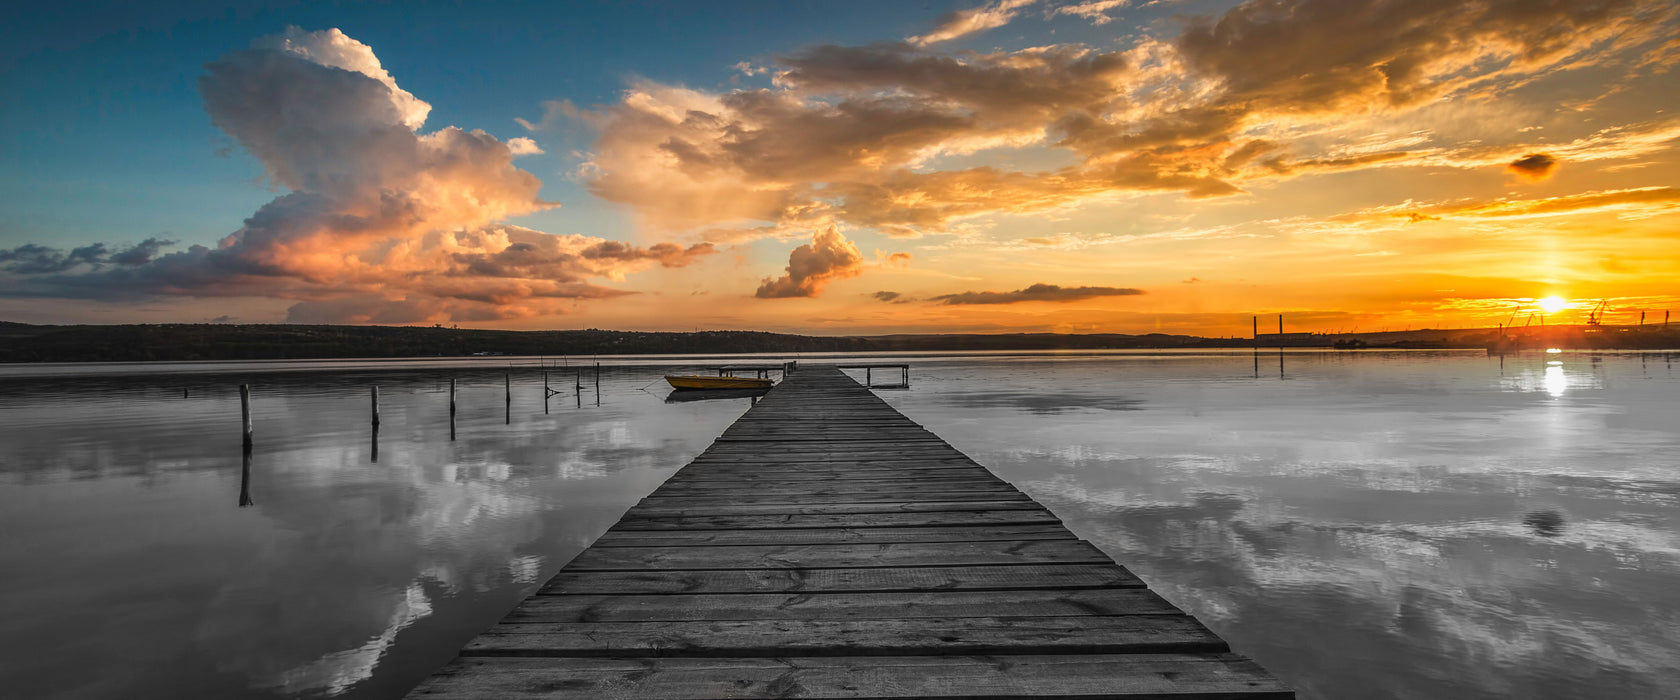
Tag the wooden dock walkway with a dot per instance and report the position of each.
(825, 546)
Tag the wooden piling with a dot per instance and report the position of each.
(245, 413)
(826, 546)
(597, 384)
(374, 400)
(451, 409)
(245, 479)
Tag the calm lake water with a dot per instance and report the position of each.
(1367, 525)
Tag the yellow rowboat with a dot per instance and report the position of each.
(698, 382)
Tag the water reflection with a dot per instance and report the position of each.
(1556, 383)
(349, 576)
(1417, 499)
(1545, 523)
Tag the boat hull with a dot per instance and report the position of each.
(696, 382)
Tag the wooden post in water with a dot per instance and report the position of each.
(245, 479)
(507, 402)
(452, 409)
(867, 381)
(374, 400)
(597, 384)
(245, 413)
(547, 392)
(577, 386)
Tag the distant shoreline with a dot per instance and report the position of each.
(26, 343)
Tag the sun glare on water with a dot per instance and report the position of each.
(1552, 305)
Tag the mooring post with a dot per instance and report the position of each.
(245, 480)
(867, 380)
(597, 384)
(245, 412)
(452, 408)
(507, 403)
(375, 402)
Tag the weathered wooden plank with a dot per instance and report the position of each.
(795, 521)
(1128, 634)
(656, 511)
(836, 556)
(841, 606)
(748, 497)
(877, 468)
(936, 578)
(828, 489)
(1093, 677)
(617, 537)
(816, 478)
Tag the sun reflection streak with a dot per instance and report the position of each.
(1556, 382)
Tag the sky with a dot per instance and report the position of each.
(1073, 166)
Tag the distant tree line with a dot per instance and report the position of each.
(176, 341)
(142, 342)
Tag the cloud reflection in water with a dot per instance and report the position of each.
(1412, 523)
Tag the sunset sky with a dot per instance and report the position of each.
(1080, 166)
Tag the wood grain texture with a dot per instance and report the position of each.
(935, 636)
(1093, 677)
(1047, 602)
(907, 578)
(827, 546)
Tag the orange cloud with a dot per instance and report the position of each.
(856, 135)
(382, 223)
(828, 257)
(972, 21)
(1652, 198)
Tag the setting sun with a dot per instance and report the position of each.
(1552, 305)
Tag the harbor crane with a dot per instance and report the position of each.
(1596, 316)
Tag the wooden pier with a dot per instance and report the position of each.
(825, 546)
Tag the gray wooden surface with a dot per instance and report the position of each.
(826, 546)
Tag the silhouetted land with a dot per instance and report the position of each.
(32, 343)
